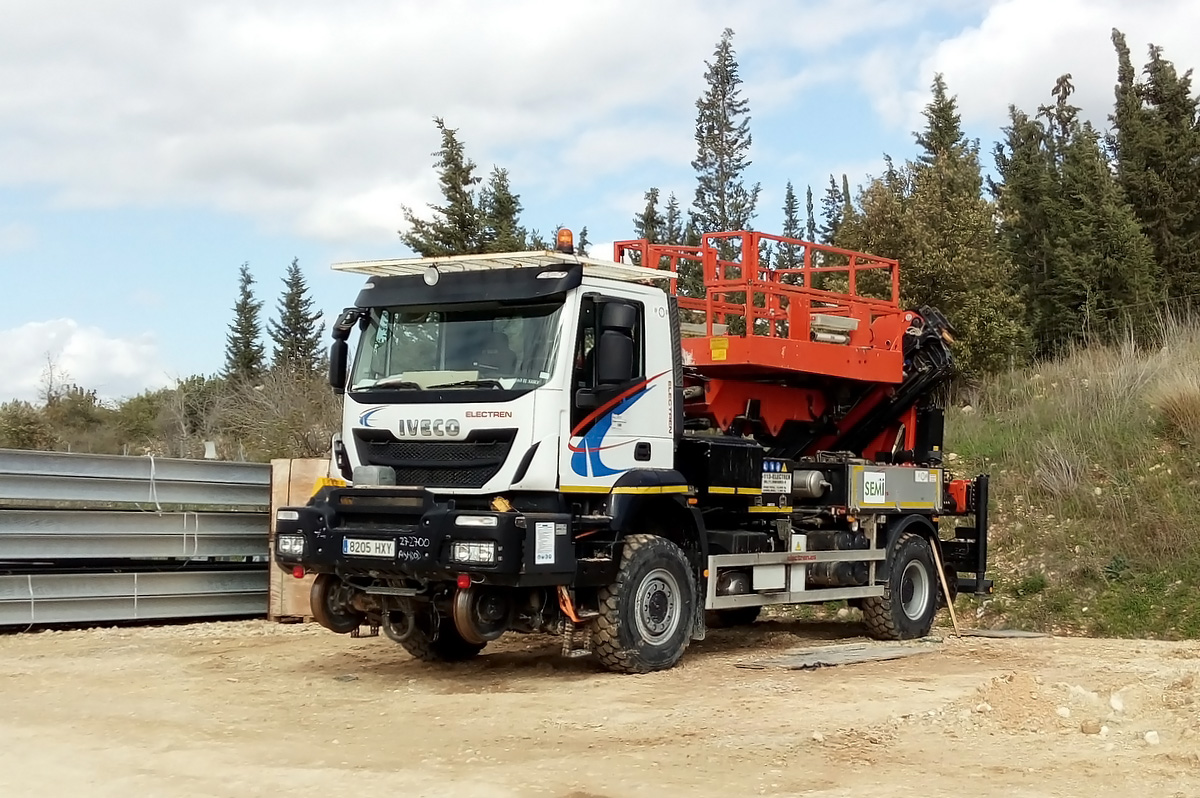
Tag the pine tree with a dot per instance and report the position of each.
(957, 261)
(456, 228)
(500, 213)
(930, 215)
(722, 201)
(296, 332)
(581, 246)
(882, 224)
(672, 230)
(1157, 150)
(244, 351)
(649, 223)
(942, 136)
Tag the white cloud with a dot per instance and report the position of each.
(315, 117)
(1021, 47)
(88, 356)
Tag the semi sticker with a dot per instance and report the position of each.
(874, 487)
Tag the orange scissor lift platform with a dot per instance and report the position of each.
(758, 321)
(804, 356)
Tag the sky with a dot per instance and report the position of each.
(148, 149)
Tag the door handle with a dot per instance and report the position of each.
(641, 451)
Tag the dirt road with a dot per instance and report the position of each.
(243, 709)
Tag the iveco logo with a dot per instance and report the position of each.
(430, 427)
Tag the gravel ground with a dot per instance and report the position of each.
(253, 708)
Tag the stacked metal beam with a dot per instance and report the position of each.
(99, 538)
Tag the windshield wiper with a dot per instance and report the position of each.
(394, 382)
(487, 383)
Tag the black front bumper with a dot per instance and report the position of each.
(416, 535)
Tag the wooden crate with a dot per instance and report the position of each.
(292, 483)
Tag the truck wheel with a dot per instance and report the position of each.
(724, 619)
(645, 621)
(330, 602)
(909, 602)
(447, 646)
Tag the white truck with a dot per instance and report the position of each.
(533, 442)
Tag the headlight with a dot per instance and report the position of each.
(287, 515)
(490, 521)
(482, 552)
(290, 544)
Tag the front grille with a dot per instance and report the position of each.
(468, 463)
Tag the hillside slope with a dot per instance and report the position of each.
(1096, 489)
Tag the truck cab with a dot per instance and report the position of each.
(528, 378)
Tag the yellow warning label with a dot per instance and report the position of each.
(718, 343)
(719, 354)
(783, 467)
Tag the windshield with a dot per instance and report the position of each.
(511, 348)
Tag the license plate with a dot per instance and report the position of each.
(369, 548)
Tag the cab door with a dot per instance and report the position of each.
(621, 394)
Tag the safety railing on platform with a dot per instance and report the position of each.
(98, 538)
(773, 286)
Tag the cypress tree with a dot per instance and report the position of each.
(1157, 149)
(833, 207)
(1079, 256)
(1111, 255)
(673, 222)
(296, 332)
(788, 256)
(244, 351)
(810, 227)
(1105, 269)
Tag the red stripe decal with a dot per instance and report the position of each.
(607, 406)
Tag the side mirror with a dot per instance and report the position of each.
(338, 357)
(614, 358)
(618, 316)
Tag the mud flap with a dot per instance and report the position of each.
(699, 628)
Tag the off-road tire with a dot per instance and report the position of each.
(448, 646)
(656, 569)
(726, 619)
(327, 608)
(911, 595)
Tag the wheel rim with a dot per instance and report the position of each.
(914, 589)
(657, 600)
(337, 600)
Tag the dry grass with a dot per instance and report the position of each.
(1095, 460)
(1177, 400)
(1059, 471)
